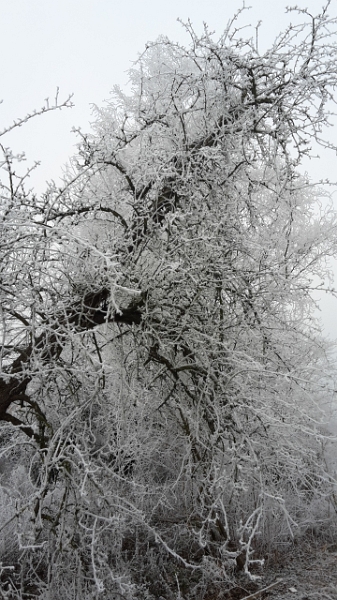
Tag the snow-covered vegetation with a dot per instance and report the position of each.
(164, 382)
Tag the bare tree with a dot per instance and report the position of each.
(163, 376)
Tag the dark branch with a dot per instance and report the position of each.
(92, 311)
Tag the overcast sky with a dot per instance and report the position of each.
(84, 47)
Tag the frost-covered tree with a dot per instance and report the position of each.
(163, 376)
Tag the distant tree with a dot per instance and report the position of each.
(163, 375)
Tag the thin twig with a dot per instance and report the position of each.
(266, 589)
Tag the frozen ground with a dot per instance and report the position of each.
(306, 573)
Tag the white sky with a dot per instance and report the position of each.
(86, 46)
